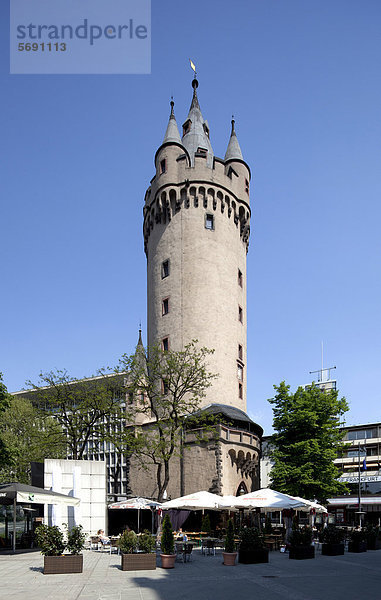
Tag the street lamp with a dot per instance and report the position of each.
(359, 481)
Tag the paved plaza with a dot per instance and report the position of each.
(348, 577)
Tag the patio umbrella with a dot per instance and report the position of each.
(308, 504)
(136, 504)
(264, 498)
(197, 501)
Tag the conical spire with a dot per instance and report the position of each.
(140, 352)
(196, 131)
(172, 133)
(233, 150)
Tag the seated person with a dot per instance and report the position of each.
(103, 538)
(181, 537)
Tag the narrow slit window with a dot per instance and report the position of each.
(165, 306)
(163, 166)
(239, 278)
(165, 269)
(240, 372)
(240, 391)
(209, 222)
(240, 314)
(165, 344)
(240, 352)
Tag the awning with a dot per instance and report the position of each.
(29, 494)
(350, 501)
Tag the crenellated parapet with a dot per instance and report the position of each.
(170, 199)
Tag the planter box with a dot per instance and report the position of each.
(357, 547)
(374, 545)
(332, 549)
(251, 557)
(138, 562)
(67, 563)
(302, 552)
(229, 558)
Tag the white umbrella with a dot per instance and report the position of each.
(137, 504)
(309, 504)
(196, 501)
(264, 498)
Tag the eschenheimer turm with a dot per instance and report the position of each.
(196, 238)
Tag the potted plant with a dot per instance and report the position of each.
(357, 542)
(137, 551)
(252, 548)
(167, 545)
(372, 537)
(205, 525)
(300, 544)
(51, 541)
(230, 553)
(332, 541)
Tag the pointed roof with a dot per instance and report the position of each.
(140, 352)
(196, 132)
(172, 134)
(233, 150)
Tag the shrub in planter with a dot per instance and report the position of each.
(230, 553)
(357, 542)
(76, 540)
(372, 537)
(167, 545)
(52, 544)
(50, 540)
(137, 551)
(332, 540)
(128, 542)
(300, 544)
(251, 548)
(205, 524)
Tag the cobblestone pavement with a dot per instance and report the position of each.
(348, 577)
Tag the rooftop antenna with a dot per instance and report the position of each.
(323, 370)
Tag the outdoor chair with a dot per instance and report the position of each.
(94, 542)
(184, 551)
(208, 546)
(106, 545)
(187, 552)
(179, 549)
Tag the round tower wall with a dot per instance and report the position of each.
(201, 228)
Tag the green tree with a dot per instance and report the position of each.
(87, 410)
(306, 441)
(27, 435)
(166, 389)
(5, 398)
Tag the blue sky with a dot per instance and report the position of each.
(302, 79)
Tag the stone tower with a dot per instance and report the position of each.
(196, 237)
